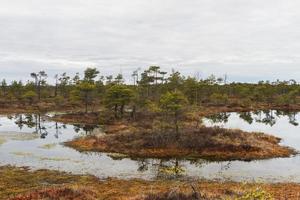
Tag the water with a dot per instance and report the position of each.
(35, 141)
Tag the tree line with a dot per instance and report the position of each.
(153, 89)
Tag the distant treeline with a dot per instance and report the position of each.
(152, 87)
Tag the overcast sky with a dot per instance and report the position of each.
(246, 39)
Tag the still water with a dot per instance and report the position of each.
(36, 142)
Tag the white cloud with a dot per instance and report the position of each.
(238, 37)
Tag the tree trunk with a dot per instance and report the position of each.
(39, 90)
(4, 91)
(196, 96)
(56, 87)
(122, 110)
(148, 91)
(116, 111)
(176, 168)
(176, 124)
(39, 124)
(133, 112)
(86, 102)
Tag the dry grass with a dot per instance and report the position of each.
(48, 146)
(174, 196)
(20, 180)
(63, 193)
(21, 184)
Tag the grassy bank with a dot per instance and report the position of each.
(21, 184)
(78, 118)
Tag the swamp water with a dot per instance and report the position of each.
(36, 142)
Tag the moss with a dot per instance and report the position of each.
(48, 146)
(171, 170)
(58, 159)
(257, 193)
(19, 153)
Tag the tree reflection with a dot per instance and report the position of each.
(24, 120)
(247, 116)
(199, 162)
(87, 128)
(220, 117)
(19, 121)
(170, 169)
(267, 117)
(39, 127)
(58, 128)
(38, 123)
(163, 167)
(143, 165)
(293, 119)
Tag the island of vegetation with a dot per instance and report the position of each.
(190, 143)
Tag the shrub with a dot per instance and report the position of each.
(30, 96)
(174, 196)
(59, 100)
(219, 99)
(257, 194)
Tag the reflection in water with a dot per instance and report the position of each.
(143, 165)
(220, 117)
(87, 128)
(170, 169)
(40, 124)
(247, 116)
(47, 151)
(267, 117)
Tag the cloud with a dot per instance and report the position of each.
(240, 38)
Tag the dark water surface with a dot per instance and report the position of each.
(34, 141)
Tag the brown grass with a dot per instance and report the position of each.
(173, 196)
(58, 193)
(21, 184)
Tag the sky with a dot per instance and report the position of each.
(249, 40)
